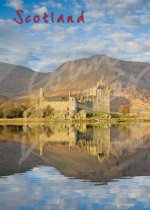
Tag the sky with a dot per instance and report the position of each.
(117, 28)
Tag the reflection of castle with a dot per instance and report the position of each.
(93, 99)
(67, 135)
(95, 142)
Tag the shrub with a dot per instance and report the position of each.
(48, 111)
(36, 113)
(12, 111)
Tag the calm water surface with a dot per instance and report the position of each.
(44, 187)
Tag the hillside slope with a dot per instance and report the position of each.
(81, 74)
(17, 80)
(75, 76)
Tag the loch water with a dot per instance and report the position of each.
(77, 167)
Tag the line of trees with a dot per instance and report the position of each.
(11, 111)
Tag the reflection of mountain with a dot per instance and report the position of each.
(74, 149)
(129, 138)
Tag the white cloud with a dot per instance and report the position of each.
(132, 1)
(40, 27)
(145, 19)
(112, 27)
(94, 15)
(55, 4)
(14, 47)
(16, 4)
(144, 57)
(92, 4)
(120, 36)
(40, 10)
(52, 4)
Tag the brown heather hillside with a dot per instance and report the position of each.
(81, 74)
(15, 80)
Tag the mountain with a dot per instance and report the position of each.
(16, 80)
(77, 75)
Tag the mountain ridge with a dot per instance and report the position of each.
(77, 75)
(14, 79)
(70, 74)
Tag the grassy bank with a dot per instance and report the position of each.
(21, 121)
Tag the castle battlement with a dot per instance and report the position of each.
(93, 99)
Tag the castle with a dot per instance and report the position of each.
(93, 99)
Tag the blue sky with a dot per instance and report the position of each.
(116, 28)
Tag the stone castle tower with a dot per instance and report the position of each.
(102, 101)
(95, 99)
(72, 106)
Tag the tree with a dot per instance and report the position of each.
(48, 111)
(1, 113)
(12, 111)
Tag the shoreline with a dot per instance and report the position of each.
(22, 121)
